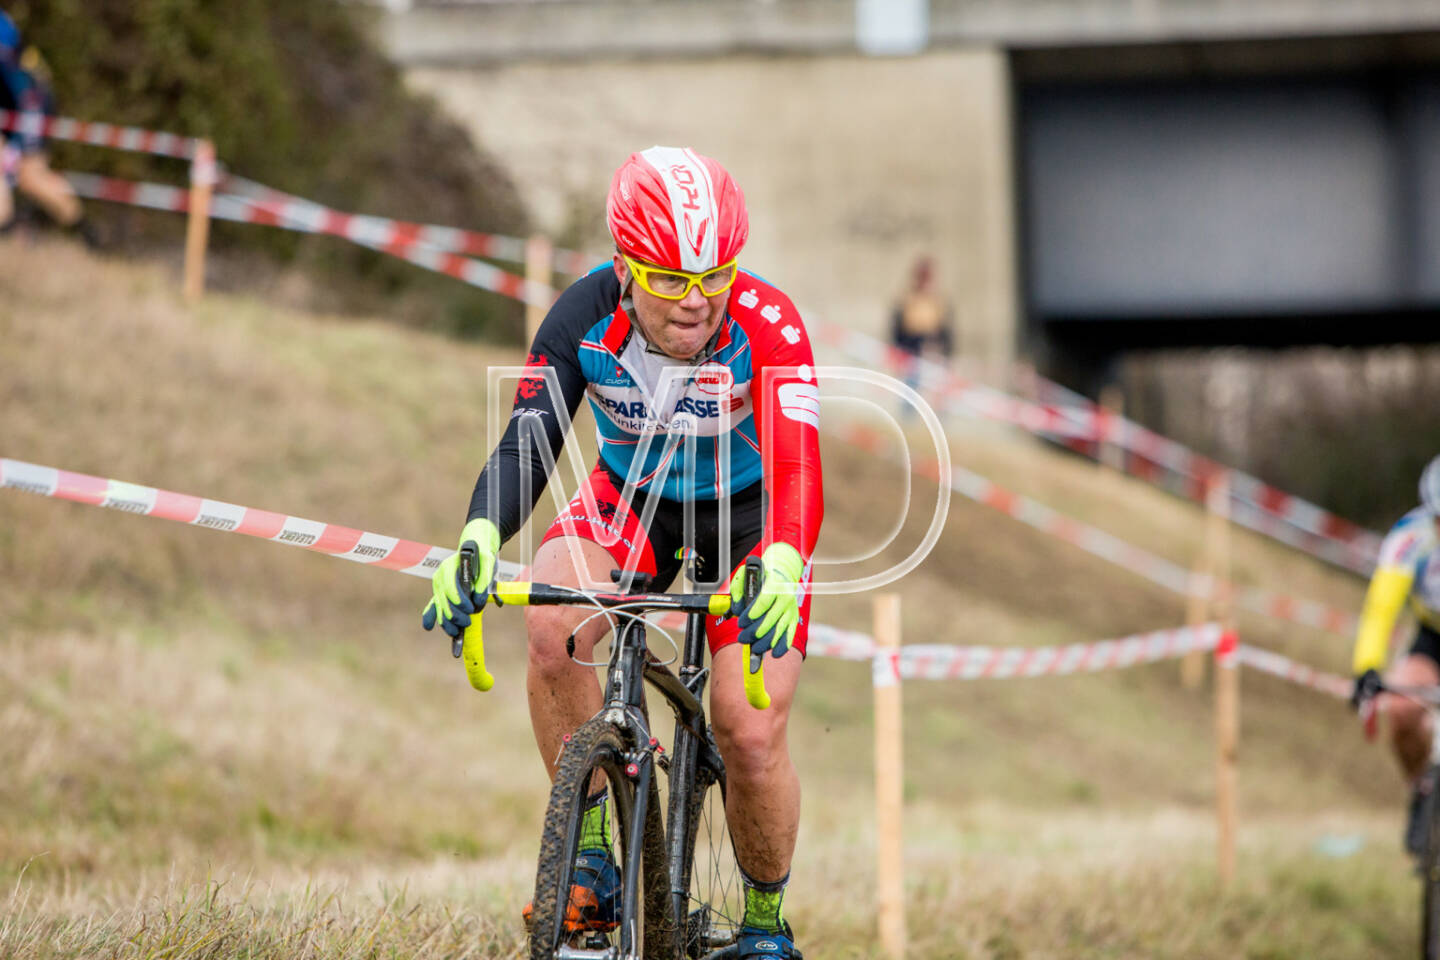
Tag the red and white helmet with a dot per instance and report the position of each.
(674, 208)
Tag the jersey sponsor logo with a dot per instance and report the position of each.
(696, 407)
(800, 402)
(714, 379)
(611, 533)
(748, 298)
(631, 409)
(791, 335)
(530, 386)
(636, 409)
(771, 312)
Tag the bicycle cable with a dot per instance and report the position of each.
(608, 613)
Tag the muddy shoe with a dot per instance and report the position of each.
(594, 895)
(768, 944)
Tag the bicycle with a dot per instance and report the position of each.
(1428, 865)
(673, 902)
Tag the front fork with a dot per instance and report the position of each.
(624, 707)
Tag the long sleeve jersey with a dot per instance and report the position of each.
(1409, 567)
(746, 410)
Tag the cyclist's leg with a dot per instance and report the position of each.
(762, 804)
(596, 533)
(562, 693)
(1410, 732)
(47, 188)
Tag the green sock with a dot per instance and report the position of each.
(764, 903)
(595, 828)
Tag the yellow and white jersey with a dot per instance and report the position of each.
(1408, 568)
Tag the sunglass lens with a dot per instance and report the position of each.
(717, 280)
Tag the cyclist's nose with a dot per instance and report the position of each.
(694, 298)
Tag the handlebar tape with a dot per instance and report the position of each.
(472, 646)
(754, 665)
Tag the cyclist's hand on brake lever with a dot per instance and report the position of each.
(769, 623)
(451, 605)
(1367, 686)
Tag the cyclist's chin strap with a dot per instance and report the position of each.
(627, 303)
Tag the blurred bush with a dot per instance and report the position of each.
(294, 94)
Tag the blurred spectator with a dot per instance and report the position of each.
(920, 323)
(25, 86)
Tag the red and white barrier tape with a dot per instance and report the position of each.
(286, 208)
(133, 139)
(389, 553)
(1082, 425)
(1255, 504)
(445, 250)
(943, 662)
(373, 232)
(931, 662)
(1092, 540)
(1267, 661)
(282, 206)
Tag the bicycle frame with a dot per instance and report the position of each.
(695, 763)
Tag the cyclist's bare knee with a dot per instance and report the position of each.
(1407, 718)
(565, 561)
(751, 741)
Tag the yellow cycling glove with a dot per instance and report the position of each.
(449, 604)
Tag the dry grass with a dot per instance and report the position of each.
(216, 748)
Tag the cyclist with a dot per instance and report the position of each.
(701, 379)
(25, 87)
(1409, 566)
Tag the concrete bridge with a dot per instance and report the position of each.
(1092, 175)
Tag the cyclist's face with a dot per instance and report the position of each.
(678, 328)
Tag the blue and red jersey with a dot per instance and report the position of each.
(745, 411)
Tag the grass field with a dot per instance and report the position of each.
(215, 747)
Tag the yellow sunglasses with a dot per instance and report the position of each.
(676, 284)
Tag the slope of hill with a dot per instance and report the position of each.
(212, 737)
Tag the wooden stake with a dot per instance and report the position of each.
(539, 269)
(1199, 604)
(203, 175)
(1227, 691)
(889, 782)
(1112, 401)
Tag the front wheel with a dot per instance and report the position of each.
(710, 897)
(1430, 874)
(567, 916)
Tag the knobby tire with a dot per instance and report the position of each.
(599, 747)
(712, 890)
(1430, 876)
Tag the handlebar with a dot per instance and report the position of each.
(523, 593)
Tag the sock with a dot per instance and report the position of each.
(764, 903)
(595, 828)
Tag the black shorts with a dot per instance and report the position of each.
(1427, 644)
(656, 549)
